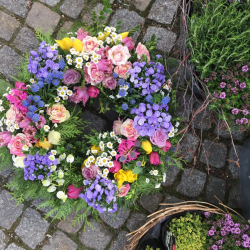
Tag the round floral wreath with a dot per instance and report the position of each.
(101, 171)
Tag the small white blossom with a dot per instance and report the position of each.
(60, 174)
(51, 189)
(52, 157)
(25, 148)
(147, 180)
(62, 196)
(60, 181)
(52, 168)
(46, 183)
(62, 156)
(70, 158)
(157, 185)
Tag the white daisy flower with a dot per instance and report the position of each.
(101, 144)
(112, 134)
(11, 92)
(108, 40)
(119, 140)
(65, 97)
(95, 61)
(78, 65)
(87, 64)
(171, 134)
(86, 57)
(113, 29)
(109, 158)
(100, 42)
(164, 177)
(118, 96)
(72, 51)
(69, 61)
(69, 93)
(16, 126)
(110, 145)
(104, 154)
(157, 185)
(151, 172)
(52, 48)
(1, 102)
(113, 153)
(55, 125)
(104, 135)
(147, 180)
(54, 152)
(54, 112)
(100, 34)
(46, 128)
(53, 168)
(155, 172)
(73, 38)
(91, 158)
(104, 161)
(105, 171)
(52, 157)
(68, 57)
(94, 151)
(105, 176)
(79, 60)
(32, 80)
(87, 164)
(62, 93)
(119, 37)
(177, 124)
(88, 152)
(112, 97)
(107, 29)
(110, 164)
(175, 130)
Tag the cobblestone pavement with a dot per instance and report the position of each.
(24, 226)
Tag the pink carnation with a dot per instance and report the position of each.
(91, 172)
(16, 144)
(81, 34)
(105, 66)
(109, 82)
(117, 166)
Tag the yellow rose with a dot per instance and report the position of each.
(43, 144)
(130, 176)
(65, 44)
(124, 34)
(146, 145)
(77, 45)
(120, 177)
(54, 137)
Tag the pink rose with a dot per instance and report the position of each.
(116, 167)
(16, 144)
(167, 146)
(119, 54)
(129, 131)
(71, 76)
(86, 75)
(41, 122)
(30, 132)
(93, 92)
(123, 190)
(79, 94)
(159, 138)
(81, 34)
(117, 126)
(73, 191)
(58, 113)
(96, 75)
(5, 138)
(154, 158)
(91, 172)
(128, 41)
(142, 50)
(109, 82)
(122, 70)
(89, 44)
(105, 66)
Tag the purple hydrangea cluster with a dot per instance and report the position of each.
(100, 194)
(150, 77)
(225, 234)
(37, 167)
(151, 117)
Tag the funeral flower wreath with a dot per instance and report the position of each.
(44, 136)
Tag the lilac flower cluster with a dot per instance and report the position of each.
(151, 117)
(100, 194)
(150, 77)
(37, 167)
(225, 234)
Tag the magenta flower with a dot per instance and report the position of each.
(244, 120)
(245, 68)
(124, 151)
(243, 85)
(222, 95)
(223, 85)
(238, 121)
(214, 247)
(245, 112)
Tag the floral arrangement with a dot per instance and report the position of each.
(44, 135)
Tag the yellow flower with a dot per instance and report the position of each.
(120, 177)
(83, 165)
(130, 176)
(77, 45)
(65, 44)
(96, 148)
(43, 144)
(124, 34)
(105, 35)
(146, 145)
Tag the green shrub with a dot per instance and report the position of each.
(190, 232)
(219, 35)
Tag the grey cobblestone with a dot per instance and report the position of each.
(166, 38)
(233, 167)
(189, 146)
(51, 3)
(18, 7)
(9, 212)
(203, 118)
(26, 40)
(234, 197)
(124, 15)
(185, 105)
(98, 238)
(13, 246)
(32, 228)
(2, 238)
(120, 242)
(9, 60)
(151, 202)
(163, 11)
(140, 4)
(170, 199)
(72, 8)
(172, 173)
(6, 172)
(136, 221)
(60, 241)
(115, 220)
(216, 187)
(191, 184)
(214, 154)
(8, 26)
(41, 16)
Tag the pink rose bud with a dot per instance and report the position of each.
(93, 92)
(73, 191)
(117, 126)
(5, 138)
(154, 158)
(116, 167)
(123, 190)
(167, 146)
(128, 41)
(81, 34)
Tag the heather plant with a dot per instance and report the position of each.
(225, 233)
(190, 232)
(230, 93)
(219, 35)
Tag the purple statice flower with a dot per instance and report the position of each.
(243, 85)
(235, 111)
(245, 68)
(223, 85)
(222, 95)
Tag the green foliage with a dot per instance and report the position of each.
(151, 248)
(219, 35)
(190, 232)
(44, 36)
(5, 158)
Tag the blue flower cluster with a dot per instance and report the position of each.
(37, 167)
(151, 117)
(100, 194)
(150, 77)
(124, 86)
